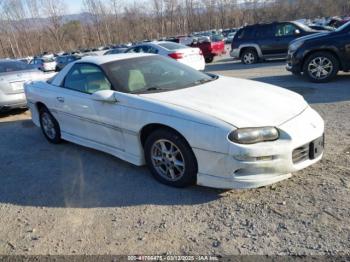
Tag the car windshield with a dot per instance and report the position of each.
(217, 38)
(152, 74)
(13, 66)
(343, 27)
(303, 26)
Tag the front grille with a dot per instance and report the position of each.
(301, 154)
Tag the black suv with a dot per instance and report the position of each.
(263, 41)
(319, 57)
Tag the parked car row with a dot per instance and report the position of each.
(265, 41)
(13, 75)
(316, 54)
(190, 56)
(321, 56)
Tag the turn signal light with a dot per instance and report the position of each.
(176, 56)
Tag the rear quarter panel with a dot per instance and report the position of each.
(39, 92)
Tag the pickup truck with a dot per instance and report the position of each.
(211, 47)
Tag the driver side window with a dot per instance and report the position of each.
(87, 79)
(285, 30)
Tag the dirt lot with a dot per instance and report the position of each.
(67, 199)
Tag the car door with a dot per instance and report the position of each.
(264, 36)
(81, 116)
(284, 34)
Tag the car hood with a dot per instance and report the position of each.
(241, 103)
(312, 36)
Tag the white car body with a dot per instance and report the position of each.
(204, 115)
(190, 56)
(12, 85)
(45, 64)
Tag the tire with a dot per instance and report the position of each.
(249, 57)
(184, 173)
(209, 59)
(49, 126)
(329, 67)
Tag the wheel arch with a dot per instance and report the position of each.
(35, 110)
(39, 106)
(326, 50)
(250, 46)
(150, 128)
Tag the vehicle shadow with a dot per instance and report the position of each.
(336, 91)
(12, 112)
(36, 173)
(227, 64)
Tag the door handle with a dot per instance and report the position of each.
(60, 99)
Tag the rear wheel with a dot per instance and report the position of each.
(50, 126)
(321, 67)
(170, 159)
(249, 56)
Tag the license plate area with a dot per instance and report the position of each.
(317, 148)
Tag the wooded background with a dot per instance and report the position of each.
(29, 27)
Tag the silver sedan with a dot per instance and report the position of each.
(13, 74)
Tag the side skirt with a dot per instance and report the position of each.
(133, 159)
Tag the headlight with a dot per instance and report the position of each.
(294, 46)
(254, 135)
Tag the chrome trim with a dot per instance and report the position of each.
(116, 128)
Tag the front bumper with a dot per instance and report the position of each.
(294, 62)
(262, 164)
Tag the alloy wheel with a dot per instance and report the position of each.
(248, 58)
(168, 160)
(320, 68)
(48, 125)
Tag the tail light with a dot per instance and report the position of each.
(176, 56)
(200, 52)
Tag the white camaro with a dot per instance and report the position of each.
(187, 126)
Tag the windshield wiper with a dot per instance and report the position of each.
(153, 88)
(202, 81)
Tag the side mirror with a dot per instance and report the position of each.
(107, 96)
(297, 32)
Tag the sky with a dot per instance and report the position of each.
(74, 6)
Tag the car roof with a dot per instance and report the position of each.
(268, 24)
(156, 43)
(100, 60)
(8, 60)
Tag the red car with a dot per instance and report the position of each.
(215, 46)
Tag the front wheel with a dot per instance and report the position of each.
(50, 126)
(170, 159)
(321, 67)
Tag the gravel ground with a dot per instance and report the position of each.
(68, 199)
